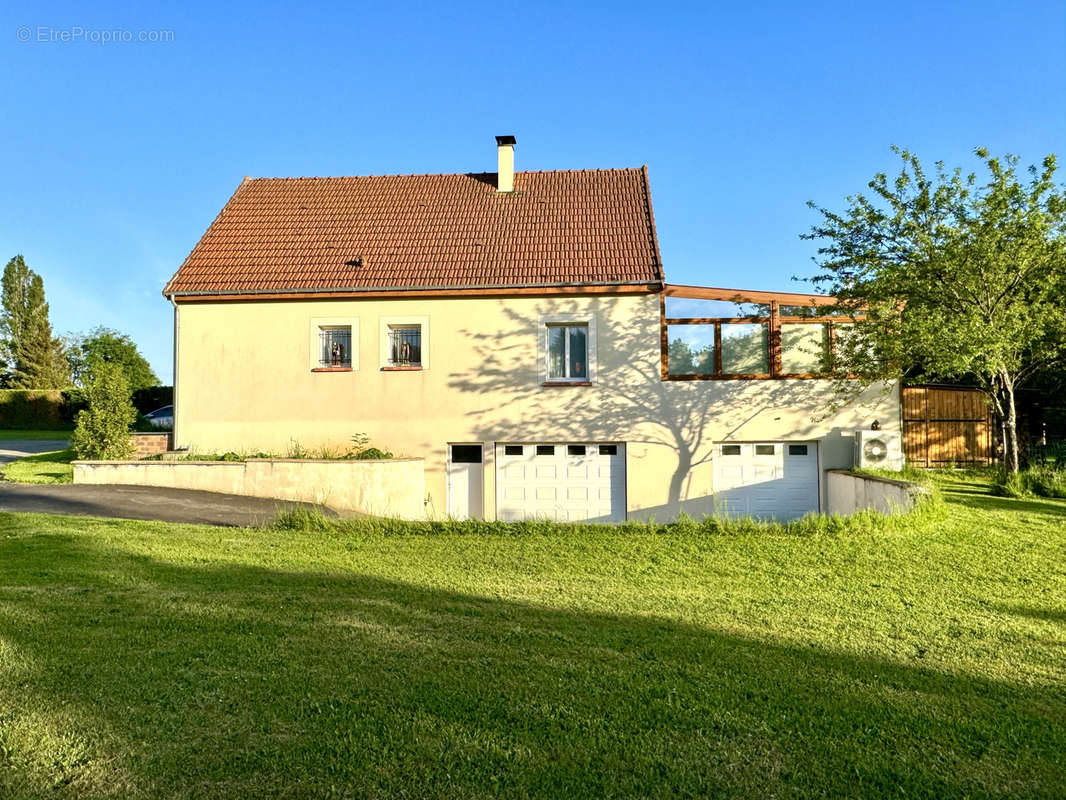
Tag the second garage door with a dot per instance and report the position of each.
(561, 481)
(768, 480)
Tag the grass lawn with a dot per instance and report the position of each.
(153, 660)
(51, 467)
(8, 433)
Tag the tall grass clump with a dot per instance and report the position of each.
(1039, 480)
(929, 509)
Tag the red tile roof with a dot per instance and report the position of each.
(419, 232)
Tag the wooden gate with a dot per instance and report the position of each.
(946, 425)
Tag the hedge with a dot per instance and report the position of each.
(42, 409)
(55, 409)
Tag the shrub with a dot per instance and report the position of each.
(372, 453)
(361, 450)
(102, 430)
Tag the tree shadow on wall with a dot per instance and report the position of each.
(628, 399)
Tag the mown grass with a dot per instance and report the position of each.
(52, 467)
(33, 435)
(152, 660)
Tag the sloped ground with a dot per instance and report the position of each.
(43, 473)
(152, 660)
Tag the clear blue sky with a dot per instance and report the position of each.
(117, 155)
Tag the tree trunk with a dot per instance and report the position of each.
(1010, 425)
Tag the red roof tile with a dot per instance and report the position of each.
(577, 227)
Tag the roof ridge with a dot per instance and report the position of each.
(249, 179)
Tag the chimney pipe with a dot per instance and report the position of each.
(505, 163)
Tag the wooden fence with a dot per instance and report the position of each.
(946, 425)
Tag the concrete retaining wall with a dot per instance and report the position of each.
(848, 492)
(393, 488)
(150, 444)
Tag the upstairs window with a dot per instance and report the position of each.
(568, 352)
(566, 349)
(335, 346)
(405, 345)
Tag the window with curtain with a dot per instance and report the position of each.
(568, 352)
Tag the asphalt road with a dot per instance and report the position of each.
(132, 502)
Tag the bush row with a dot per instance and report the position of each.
(56, 409)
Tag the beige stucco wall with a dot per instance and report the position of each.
(393, 488)
(243, 382)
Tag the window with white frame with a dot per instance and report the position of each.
(404, 343)
(568, 348)
(334, 344)
(568, 352)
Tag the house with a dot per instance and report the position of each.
(515, 330)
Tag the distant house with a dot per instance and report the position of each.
(514, 329)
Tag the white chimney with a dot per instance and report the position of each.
(505, 163)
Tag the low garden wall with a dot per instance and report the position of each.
(848, 492)
(392, 488)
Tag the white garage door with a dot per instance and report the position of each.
(768, 480)
(565, 482)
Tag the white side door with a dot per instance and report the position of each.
(466, 476)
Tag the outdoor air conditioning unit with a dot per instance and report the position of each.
(878, 450)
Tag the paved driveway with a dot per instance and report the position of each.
(132, 502)
(10, 449)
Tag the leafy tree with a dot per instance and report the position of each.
(105, 344)
(959, 280)
(34, 358)
(102, 429)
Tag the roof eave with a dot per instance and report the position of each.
(355, 292)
